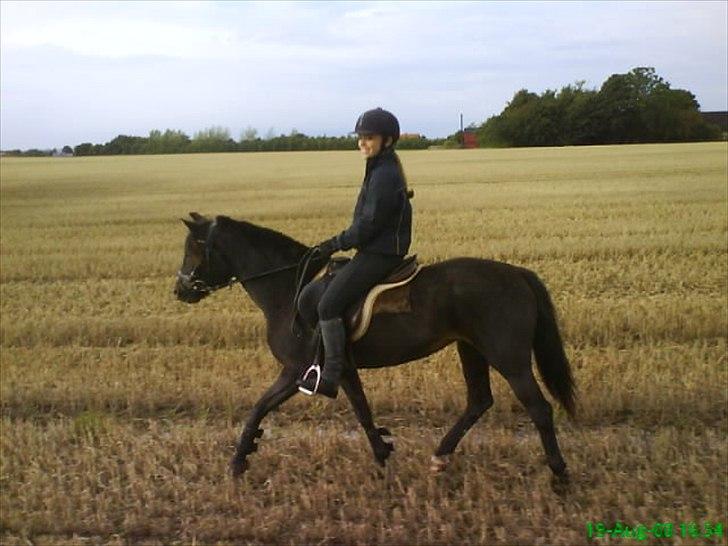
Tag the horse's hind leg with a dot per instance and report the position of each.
(480, 398)
(526, 389)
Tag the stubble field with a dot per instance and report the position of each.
(121, 405)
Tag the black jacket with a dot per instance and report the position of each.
(382, 219)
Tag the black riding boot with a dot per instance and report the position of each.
(335, 358)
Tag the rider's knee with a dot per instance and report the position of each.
(326, 311)
(308, 301)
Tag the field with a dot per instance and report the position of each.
(121, 405)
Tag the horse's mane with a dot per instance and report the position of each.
(273, 243)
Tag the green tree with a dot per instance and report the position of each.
(124, 144)
(638, 106)
(212, 139)
(85, 148)
(249, 134)
(622, 101)
(169, 142)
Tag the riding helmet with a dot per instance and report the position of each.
(378, 122)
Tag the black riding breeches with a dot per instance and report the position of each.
(354, 280)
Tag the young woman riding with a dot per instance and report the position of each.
(380, 232)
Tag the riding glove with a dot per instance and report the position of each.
(328, 247)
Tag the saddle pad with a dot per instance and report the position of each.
(358, 323)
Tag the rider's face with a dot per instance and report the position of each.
(370, 145)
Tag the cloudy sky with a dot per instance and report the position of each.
(88, 71)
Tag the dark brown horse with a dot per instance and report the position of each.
(496, 313)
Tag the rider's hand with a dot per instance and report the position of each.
(328, 247)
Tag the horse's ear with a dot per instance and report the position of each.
(190, 225)
(198, 217)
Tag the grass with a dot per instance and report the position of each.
(121, 405)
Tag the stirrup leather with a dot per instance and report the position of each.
(313, 368)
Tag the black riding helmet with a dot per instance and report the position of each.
(378, 122)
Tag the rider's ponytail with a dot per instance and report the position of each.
(410, 193)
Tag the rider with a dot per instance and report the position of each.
(380, 232)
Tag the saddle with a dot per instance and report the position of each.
(391, 295)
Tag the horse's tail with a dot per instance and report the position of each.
(549, 348)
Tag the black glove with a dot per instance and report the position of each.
(328, 247)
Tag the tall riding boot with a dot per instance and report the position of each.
(335, 358)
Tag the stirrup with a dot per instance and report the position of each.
(313, 368)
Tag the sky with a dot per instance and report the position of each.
(73, 72)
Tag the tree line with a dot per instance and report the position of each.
(638, 106)
(217, 139)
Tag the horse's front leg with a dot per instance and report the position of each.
(283, 388)
(351, 384)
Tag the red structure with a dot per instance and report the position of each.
(470, 138)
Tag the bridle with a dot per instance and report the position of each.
(196, 284)
(192, 282)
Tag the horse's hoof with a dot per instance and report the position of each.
(439, 463)
(238, 468)
(383, 454)
(560, 483)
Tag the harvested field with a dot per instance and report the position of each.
(121, 405)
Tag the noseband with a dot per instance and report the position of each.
(201, 286)
(191, 281)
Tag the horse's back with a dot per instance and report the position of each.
(476, 294)
(467, 274)
(459, 299)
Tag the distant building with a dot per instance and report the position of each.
(470, 138)
(717, 118)
(410, 136)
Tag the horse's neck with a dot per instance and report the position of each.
(273, 292)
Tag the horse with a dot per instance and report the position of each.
(496, 313)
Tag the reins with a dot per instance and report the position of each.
(269, 272)
(302, 267)
(200, 285)
(301, 272)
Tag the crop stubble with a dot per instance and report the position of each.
(121, 405)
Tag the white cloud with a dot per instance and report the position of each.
(123, 38)
(106, 30)
(313, 65)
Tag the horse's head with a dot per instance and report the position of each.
(203, 269)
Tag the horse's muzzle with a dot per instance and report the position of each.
(188, 294)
